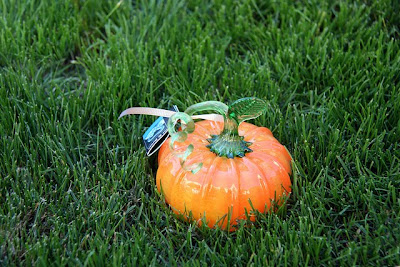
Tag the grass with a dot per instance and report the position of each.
(76, 187)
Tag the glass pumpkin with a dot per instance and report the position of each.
(238, 166)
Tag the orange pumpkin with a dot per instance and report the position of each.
(224, 184)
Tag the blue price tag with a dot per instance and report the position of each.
(157, 134)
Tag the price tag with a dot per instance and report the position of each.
(157, 134)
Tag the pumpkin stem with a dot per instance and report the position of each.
(229, 143)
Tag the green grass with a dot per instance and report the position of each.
(76, 187)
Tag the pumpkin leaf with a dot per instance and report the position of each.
(246, 109)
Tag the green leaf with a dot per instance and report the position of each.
(246, 109)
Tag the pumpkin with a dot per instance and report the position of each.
(238, 166)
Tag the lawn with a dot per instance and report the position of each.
(76, 185)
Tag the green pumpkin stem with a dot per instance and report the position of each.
(229, 143)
